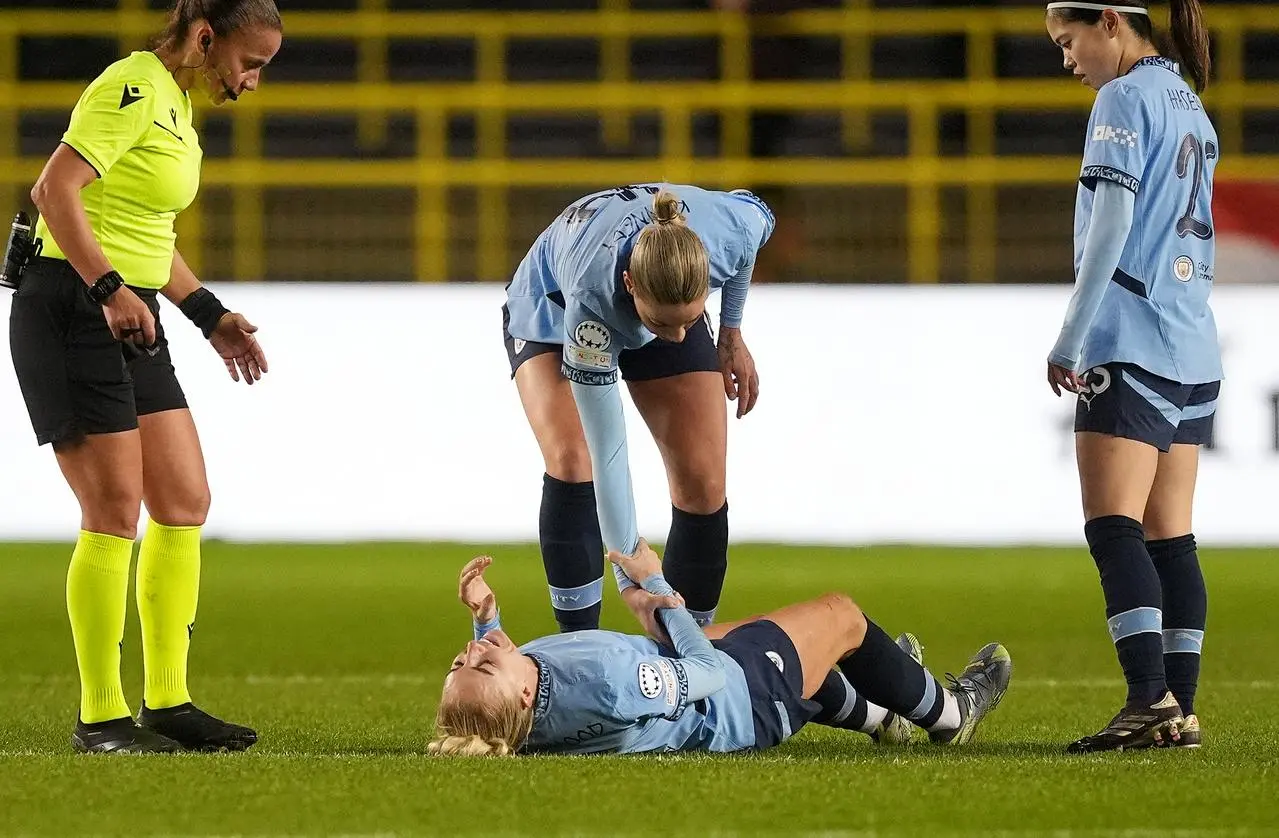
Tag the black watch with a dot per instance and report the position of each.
(107, 284)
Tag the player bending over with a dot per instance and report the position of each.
(734, 687)
(617, 286)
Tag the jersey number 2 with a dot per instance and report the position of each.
(1193, 151)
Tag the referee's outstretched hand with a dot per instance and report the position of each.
(128, 318)
(235, 343)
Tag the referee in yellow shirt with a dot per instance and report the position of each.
(94, 367)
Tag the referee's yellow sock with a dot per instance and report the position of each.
(97, 597)
(168, 590)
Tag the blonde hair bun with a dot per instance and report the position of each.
(669, 264)
(666, 208)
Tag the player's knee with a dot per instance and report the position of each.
(112, 514)
(1161, 522)
(1161, 527)
(846, 617)
(188, 508)
(698, 491)
(568, 461)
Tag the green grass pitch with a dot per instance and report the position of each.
(335, 654)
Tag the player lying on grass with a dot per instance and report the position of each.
(735, 687)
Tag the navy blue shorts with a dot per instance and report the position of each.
(774, 678)
(657, 359)
(1126, 401)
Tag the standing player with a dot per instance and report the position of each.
(94, 366)
(1139, 346)
(619, 281)
(745, 686)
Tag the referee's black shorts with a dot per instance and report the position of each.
(75, 377)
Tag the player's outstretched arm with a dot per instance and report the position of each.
(697, 657)
(645, 606)
(474, 592)
(604, 424)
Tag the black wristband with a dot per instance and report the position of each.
(106, 285)
(203, 309)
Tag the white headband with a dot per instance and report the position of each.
(1100, 7)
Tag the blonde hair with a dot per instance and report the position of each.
(669, 265)
(477, 728)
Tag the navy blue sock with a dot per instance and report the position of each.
(1133, 603)
(890, 678)
(1185, 601)
(696, 560)
(572, 552)
(842, 706)
(845, 708)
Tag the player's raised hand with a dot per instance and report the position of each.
(235, 343)
(640, 565)
(475, 592)
(737, 365)
(1060, 378)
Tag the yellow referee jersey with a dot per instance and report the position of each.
(133, 125)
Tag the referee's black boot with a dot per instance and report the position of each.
(196, 730)
(120, 736)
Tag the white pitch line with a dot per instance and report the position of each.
(1118, 681)
(394, 679)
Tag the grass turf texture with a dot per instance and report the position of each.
(336, 654)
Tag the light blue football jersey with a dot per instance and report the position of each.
(568, 289)
(606, 692)
(1149, 133)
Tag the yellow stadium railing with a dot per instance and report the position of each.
(922, 171)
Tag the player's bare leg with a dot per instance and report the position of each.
(689, 422)
(1116, 476)
(568, 526)
(831, 631)
(548, 403)
(842, 706)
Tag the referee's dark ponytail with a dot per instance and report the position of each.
(225, 16)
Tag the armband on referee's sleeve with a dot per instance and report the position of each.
(203, 309)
